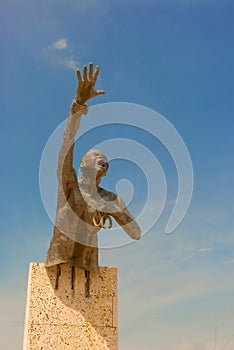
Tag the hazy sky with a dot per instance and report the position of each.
(175, 57)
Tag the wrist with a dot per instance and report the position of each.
(79, 103)
(80, 99)
(77, 107)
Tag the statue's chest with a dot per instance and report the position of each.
(91, 208)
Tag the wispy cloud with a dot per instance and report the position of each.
(171, 298)
(61, 52)
(205, 249)
(69, 63)
(60, 44)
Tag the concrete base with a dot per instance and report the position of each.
(65, 319)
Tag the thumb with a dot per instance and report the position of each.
(99, 92)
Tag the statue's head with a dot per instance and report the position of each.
(94, 164)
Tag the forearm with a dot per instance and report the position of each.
(126, 220)
(115, 206)
(65, 161)
(73, 122)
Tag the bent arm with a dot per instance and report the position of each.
(128, 223)
(115, 206)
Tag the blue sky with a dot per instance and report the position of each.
(176, 57)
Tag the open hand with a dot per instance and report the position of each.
(85, 89)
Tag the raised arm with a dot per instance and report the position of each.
(85, 91)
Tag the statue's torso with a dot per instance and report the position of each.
(75, 238)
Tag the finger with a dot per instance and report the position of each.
(110, 221)
(85, 73)
(79, 75)
(102, 223)
(95, 222)
(100, 92)
(90, 71)
(96, 74)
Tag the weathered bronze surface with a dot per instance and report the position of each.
(83, 207)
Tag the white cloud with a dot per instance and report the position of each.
(171, 298)
(57, 51)
(60, 44)
(205, 249)
(69, 63)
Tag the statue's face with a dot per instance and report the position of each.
(94, 164)
(101, 163)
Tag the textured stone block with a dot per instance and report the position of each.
(64, 319)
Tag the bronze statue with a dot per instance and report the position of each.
(83, 207)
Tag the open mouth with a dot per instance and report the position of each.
(103, 165)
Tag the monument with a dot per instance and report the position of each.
(71, 301)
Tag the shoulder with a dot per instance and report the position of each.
(113, 201)
(107, 195)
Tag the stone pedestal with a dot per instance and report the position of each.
(64, 318)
